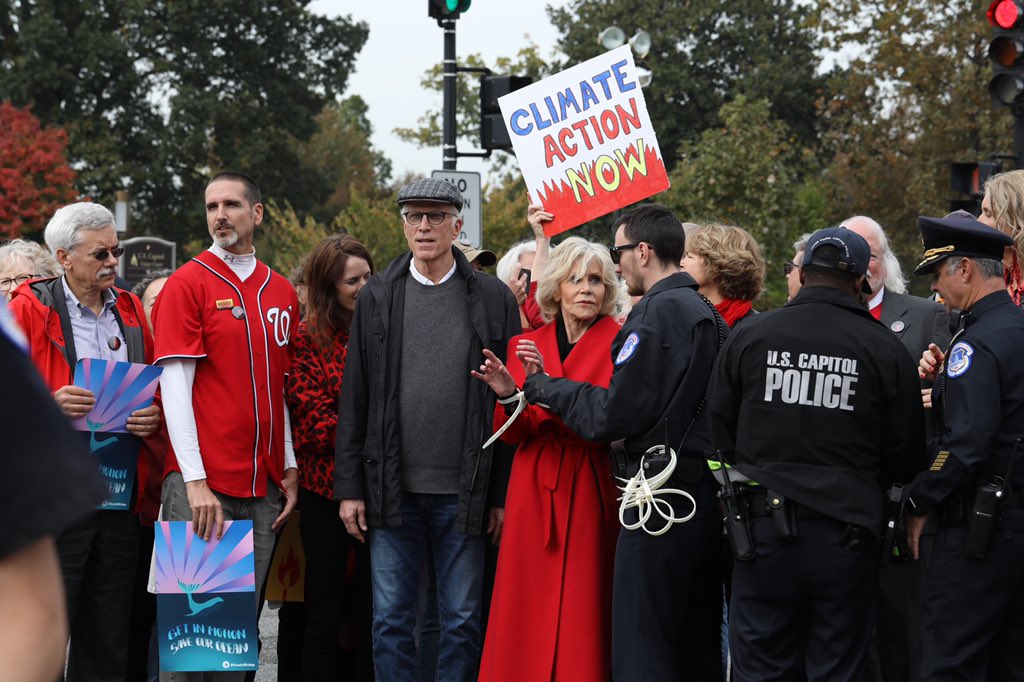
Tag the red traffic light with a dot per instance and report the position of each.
(1005, 14)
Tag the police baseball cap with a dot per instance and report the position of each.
(431, 189)
(854, 253)
(958, 234)
(482, 256)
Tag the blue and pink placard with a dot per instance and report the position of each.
(206, 598)
(119, 388)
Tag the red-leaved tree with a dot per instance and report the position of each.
(35, 178)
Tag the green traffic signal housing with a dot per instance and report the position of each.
(447, 9)
(1007, 51)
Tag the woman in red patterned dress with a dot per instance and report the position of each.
(550, 615)
(334, 273)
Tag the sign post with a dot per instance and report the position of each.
(145, 254)
(467, 182)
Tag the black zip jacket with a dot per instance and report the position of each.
(368, 449)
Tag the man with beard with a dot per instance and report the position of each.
(83, 315)
(222, 324)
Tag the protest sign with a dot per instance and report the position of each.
(584, 140)
(206, 598)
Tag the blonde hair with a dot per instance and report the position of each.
(1006, 197)
(572, 258)
(732, 259)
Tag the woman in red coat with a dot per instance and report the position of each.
(550, 615)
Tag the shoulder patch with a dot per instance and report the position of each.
(959, 360)
(628, 348)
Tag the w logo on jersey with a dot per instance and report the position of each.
(282, 322)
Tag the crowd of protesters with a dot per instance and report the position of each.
(677, 484)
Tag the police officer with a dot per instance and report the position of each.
(973, 619)
(818, 403)
(666, 601)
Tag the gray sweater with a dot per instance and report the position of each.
(433, 385)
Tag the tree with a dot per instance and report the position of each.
(912, 99)
(157, 95)
(704, 55)
(340, 152)
(747, 173)
(35, 178)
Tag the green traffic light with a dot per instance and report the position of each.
(457, 5)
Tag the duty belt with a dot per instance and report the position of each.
(758, 503)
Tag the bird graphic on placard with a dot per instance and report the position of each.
(94, 444)
(197, 607)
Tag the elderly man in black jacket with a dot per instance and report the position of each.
(410, 464)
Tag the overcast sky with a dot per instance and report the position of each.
(404, 42)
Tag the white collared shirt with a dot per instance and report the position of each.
(423, 279)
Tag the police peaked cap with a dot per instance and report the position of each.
(431, 189)
(854, 253)
(958, 234)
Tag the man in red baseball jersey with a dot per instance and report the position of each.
(222, 324)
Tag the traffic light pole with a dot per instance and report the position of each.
(449, 155)
(1018, 135)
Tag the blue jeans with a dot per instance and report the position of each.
(396, 558)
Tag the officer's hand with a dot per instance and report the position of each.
(931, 361)
(144, 422)
(537, 216)
(207, 514)
(495, 523)
(353, 515)
(915, 524)
(530, 356)
(74, 401)
(926, 398)
(494, 373)
(290, 488)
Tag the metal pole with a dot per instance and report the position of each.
(449, 155)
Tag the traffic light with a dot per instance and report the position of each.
(493, 133)
(1007, 51)
(970, 178)
(447, 9)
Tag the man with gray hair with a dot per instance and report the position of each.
(410, 467)
(81, 314)
(917, 322)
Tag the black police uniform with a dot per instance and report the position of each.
(667, 592)
(973, 619)
(820, 404)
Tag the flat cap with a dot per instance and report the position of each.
(958, 234)
(854, 253)
(431, 189)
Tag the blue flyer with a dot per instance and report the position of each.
(118, 455)
(206, 598)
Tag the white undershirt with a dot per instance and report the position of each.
(876, 300)
(423, 279)
(176, 388)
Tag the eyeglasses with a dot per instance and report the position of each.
(789, 267)
(616, 251)
(433, 217)
(8, 283)
(103, 255)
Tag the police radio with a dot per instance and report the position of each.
(737, 516)
(988, 502)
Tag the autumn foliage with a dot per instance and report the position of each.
(35, 178)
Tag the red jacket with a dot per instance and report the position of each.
(41, 309)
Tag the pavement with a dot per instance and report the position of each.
(268, 654)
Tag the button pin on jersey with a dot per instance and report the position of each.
(238, 312)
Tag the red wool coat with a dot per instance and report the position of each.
(550, 615)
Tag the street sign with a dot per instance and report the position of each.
(468, 183)
(145, 254)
